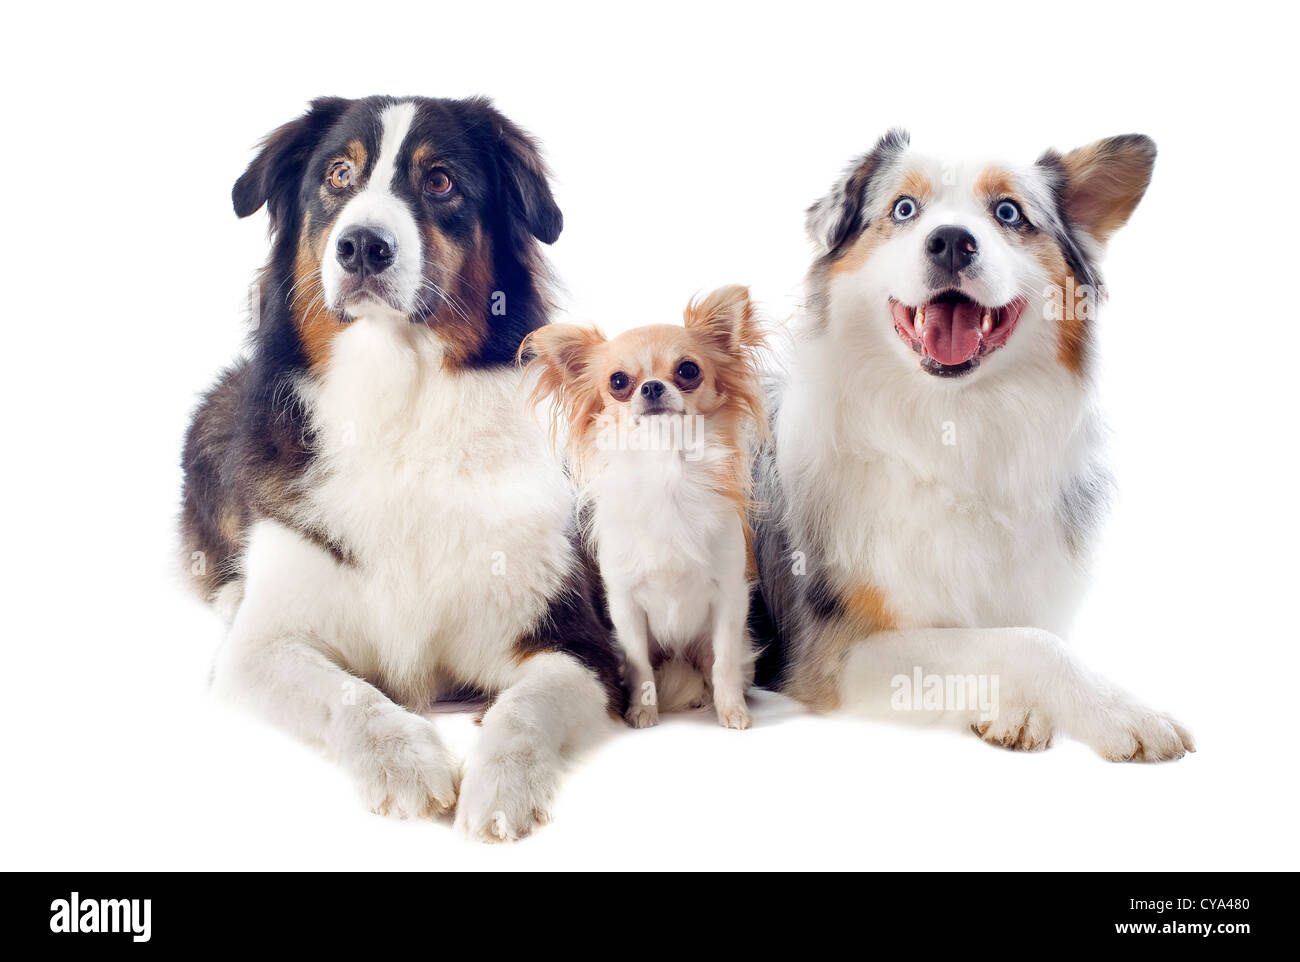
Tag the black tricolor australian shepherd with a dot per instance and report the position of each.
(365, 495)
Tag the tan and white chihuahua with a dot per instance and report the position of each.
(659, 423)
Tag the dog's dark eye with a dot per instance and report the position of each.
(438, 182)
(619, 382)
(904, 209)
(688, 370)
(340, 176)
(1007, 211)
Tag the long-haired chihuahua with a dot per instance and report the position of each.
(658, 424)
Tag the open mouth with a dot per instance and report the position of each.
(952, 333)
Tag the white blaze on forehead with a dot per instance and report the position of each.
(377, 206)
(394, 124)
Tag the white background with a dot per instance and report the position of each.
(686, 141)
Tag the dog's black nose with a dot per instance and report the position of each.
(951, 248)
(368, 250)
(652, 390)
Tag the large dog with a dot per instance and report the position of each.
(366, 494)
(935, 484)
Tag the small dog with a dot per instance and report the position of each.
(936, 481)
(365, 495)
(659, 423)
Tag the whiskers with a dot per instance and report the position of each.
(444, 295)
(307, 295)
(453, 301)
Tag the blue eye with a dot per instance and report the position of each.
(904, 208)
(1007, 211)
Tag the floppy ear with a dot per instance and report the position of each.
(838, 218)
(276, 171)
(1103, 182)
(727, 319)
(524, 177)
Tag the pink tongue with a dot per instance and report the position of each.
(952, 332)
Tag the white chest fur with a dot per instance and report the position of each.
(947, 502)
(444, 491)
(665, 534)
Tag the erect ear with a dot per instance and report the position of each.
(559, 353)
(838, 218)
(726, 317)
(276, 172)
(524, 177)
(1103, 182)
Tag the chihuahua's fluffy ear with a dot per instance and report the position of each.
(727, 319)
(732, 330)
(559, 352)
(557, 356)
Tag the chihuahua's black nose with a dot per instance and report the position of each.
(368, 250)
(951, 248)
(652, 390)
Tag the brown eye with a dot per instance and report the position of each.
(688, 370)
(340, 177)
(619, 383)
(438, 182)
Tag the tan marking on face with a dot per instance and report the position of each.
(917, 185)
(461, 324)
(995, 183)
(355, 153)
(856, 257)
(317, 325)
(1073, 335)
(422, 157)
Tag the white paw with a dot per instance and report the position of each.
(507, 793)
(733, 715)
(643, 716)
(402, 768)
(1022, 729)
(1126, 731)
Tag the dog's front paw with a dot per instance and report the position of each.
(507, 793)
(402, 768)
(643, 716)
(1021, 729)
(1126, 731)
(733, 714)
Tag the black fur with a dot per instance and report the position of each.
(250, 442)
(1081, 264)
(846, 205)
(575, 625)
